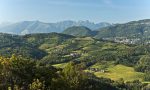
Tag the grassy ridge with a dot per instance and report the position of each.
(115, 72)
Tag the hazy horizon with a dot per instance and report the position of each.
(111, 11)
(7, 22)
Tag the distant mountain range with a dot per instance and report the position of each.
(28, 27)
(134, 29)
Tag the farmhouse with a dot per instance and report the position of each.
(97, 70)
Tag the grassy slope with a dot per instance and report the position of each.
(92, 47)
(115, 72)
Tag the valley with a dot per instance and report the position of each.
(116, 60)
(54, 49)
(74, 45)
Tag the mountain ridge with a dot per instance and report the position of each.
(28, 27)
(133, 29)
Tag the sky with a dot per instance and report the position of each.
(112, 11)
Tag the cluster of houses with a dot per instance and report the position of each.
(75, 54)
(97, 70)
(124, 40)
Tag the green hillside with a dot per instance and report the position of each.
(132, 29)
(59, 49)
(13, 44)
(116, 72)
(79, 31)
(135, 30)
(106, 64)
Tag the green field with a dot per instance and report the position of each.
(115, 72)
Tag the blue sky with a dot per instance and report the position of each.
(113, 11)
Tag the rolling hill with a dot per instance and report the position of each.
(138, 29)
(79, 31)
(135, 32)
(57, 49)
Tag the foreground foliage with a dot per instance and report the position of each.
(18, 73)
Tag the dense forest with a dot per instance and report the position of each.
(55, 61)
